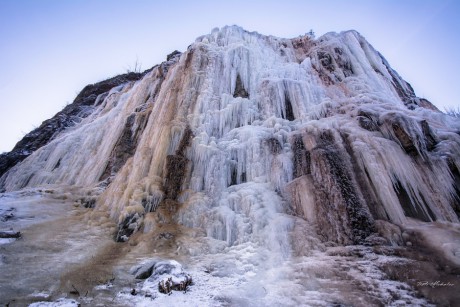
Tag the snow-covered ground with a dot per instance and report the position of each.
(64, 258)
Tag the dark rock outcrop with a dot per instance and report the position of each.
(129, 225)
(124, 148)
(289, 112)
(143, 270)
(172, 55)
(340, 205)
(368, 121)
(404, 139)
(10, 234)
(430, 137)
(176, 167)
(302, 158)
(274, 145)
(326, 61)
(81, 107)
(175, 170)
(240, 91)
(343, 62)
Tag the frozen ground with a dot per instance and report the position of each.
(65, 258)
(55, 239)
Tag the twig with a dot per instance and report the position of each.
(76, 291)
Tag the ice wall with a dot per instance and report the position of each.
(243, 132)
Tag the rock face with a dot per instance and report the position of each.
(330, 109)
(71, 115)
(252, 141)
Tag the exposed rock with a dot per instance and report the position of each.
(163, 267)
(364, 184)
(302, 198)
(430, 263)
(455, 203)
(127, 227)
(144, 269)
(425, 103)
(288, 112)
(302, 46)
(124, 149)
(343, 63)
(339, 204)
(274, 145)
(176, 167)
(375, 240)
(302, 158)
(173, 54)
(412, 208)
(240, 91)
(430, 138)
(389, 231)
(185, 141)
(324, 76)
(404, 139)
(126, 144)
(68, 117)
(332, 64)
(403, 88)
(326, 61)
(9, 234)
(367, 121)
(165, 235)
(367, 124)
(88, 202)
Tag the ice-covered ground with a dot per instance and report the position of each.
(55, 238)
(63, 257)
(317, 280)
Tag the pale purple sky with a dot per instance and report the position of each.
(50, 49)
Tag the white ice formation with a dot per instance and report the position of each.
(246, 141)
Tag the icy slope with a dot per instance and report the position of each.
(246, 140)
(68, 117)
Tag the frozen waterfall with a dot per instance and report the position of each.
(258, 150)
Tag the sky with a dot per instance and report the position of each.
(51, 49)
